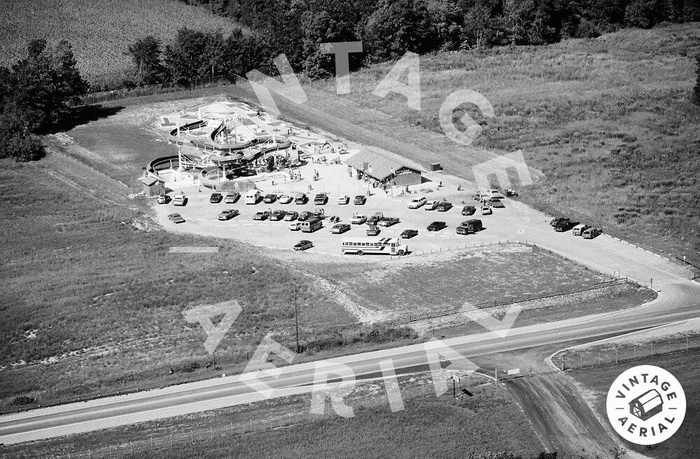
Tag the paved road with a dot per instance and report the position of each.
(677, 301)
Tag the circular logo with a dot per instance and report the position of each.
(646, 405)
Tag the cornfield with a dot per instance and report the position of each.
(99, 30)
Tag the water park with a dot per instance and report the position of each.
(228, 146)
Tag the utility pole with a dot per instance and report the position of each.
(296, 317)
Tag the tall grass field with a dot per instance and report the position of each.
(99, 30)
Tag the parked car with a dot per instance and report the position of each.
(343, 199)
(340, 228)
(180, 200)
(300, 199)
(592, 233)
(216, 198)
(373, 230)
(496, 203)
(278, 215)
(431, 205)
(444, 206)
(176, 218)
(409, 233)
(372, 220)
(163, 199)
(285, 199)
(303, 245)
(291, 216)
(417, 202)
(468, 210)
(304, 216)
(511, 193)
(564, 226)
(470, 226)
(358, 219)
(262, 215)
(388, 221)
(555, 221)
(437, 226)
(360, 200)
(295, 226)
(270, 198)
(486, 210)
(579, 229)
(321, 199)
(228, 214)
(232, 198)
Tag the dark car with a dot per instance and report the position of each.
(176, 218)
(360, 200)
(373, 230)
(232, 198)
(444, 206)
(470, 226)
(291, 216)
(321, 199)
(262, 215)
(437, 226)
(300, 199)
(409, 233)
(468, 210)
(270, 198)
(216, 198)
(340, 228)
(564, 225)
(304, 216)
(592, 233)
(228, 214)
(388, 221)
(278, 215)
(557, 220)
(303, 245)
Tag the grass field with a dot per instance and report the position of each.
(683, 444)
(100, 31)
(428, 427)
(91, 287)
(608, 121)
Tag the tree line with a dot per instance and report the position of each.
(389, 28)
(37, 95)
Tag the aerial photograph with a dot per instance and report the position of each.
(350, 229)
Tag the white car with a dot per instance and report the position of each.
(343, 199)
(358, 219)
(295, 226)
(431, 205)
(417, 202)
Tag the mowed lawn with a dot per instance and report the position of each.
(608, 121)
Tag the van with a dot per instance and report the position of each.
(470, 226)
(311, 225)
(579, 229)
(253, 197)
(592, 233)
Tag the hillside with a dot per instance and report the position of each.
(608, 121)
(99, 31)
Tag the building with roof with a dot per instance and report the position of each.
(387, 171)
(152, 186)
